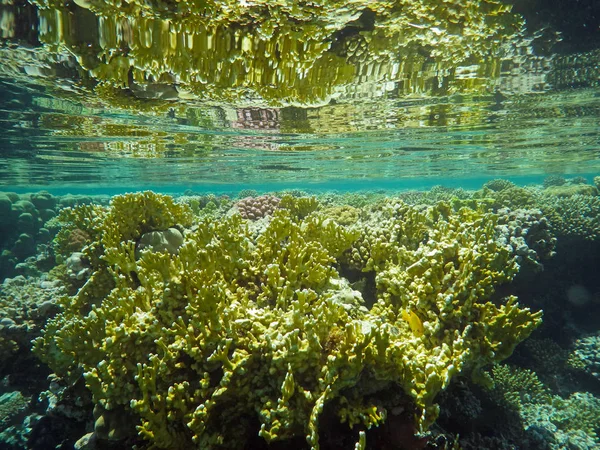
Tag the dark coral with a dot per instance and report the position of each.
(77, 240)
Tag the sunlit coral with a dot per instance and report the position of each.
(239, 327)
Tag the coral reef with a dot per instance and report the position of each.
(75, 241)
(247, 193)
(577, 180)
(569, 190)
(186, 325)
(256, 207)
(554, 180)
(27, 225)
(168, 240)
(26, 304)
(517, 387)
(586, 355)
(344, 215)
(577, 216)
(238, 332)
(513, 197)
(434, 195)
(299, 207)
(322, 321)
(207, 205)
(12, 404)
(498, 184)
(571, 422)
(21, 227)
(530, 235)
(546, 356)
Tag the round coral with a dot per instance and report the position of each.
(257, 207)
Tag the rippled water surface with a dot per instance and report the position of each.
(91, 100)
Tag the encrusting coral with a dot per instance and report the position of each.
(234, 333)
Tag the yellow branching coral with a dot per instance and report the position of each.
(132, 215)
(238, 327)
(369, 415)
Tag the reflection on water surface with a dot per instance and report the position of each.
(251, 92)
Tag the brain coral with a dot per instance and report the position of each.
(238, 334)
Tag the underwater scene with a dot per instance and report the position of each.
(268, 225)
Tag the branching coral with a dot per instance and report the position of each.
(235, 328)
(516, 387)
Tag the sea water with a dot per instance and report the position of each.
(412, 129)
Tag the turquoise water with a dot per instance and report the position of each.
(525, 106)
(49, 149)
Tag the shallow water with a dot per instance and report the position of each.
(354, 194)
(521, 136)
(526, 103)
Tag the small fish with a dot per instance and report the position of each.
(414, 322)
